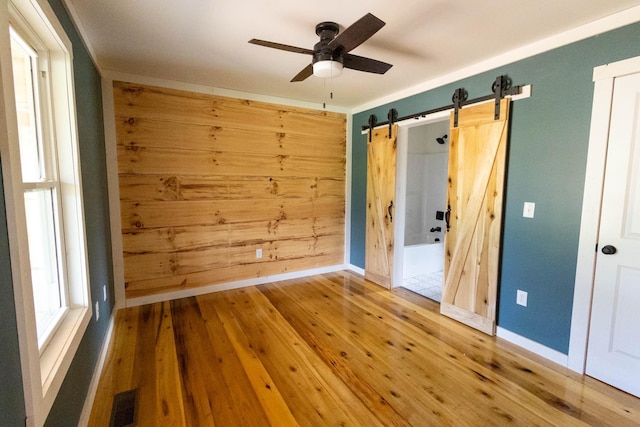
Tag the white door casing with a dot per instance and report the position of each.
(401, 186)
(603, 77)
(614, 348)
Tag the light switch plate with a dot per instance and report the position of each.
(529, 208)
(521, 298)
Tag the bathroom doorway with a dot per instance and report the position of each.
(423, 172)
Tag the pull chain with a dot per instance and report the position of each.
(324, 103)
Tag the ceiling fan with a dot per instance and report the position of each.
(331, 53)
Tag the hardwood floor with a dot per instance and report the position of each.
(335, 350)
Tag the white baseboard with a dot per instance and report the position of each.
(355, 269)
(185, 293)
(97, 372)
(537, 348)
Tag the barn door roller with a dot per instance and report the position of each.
(392, 116)
(500, 88)
(372, 123)
(459, 96)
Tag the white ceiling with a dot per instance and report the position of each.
(206, 41)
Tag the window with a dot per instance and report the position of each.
(43, 197)
(40, 185)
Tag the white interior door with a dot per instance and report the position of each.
(614, 340)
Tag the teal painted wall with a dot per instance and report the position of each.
(549, 138)
(68, 405)
(12, 412)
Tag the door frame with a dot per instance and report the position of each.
(604, 77)
(401, 178)
(401, 188)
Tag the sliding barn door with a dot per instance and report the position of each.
(381, 189)
(474, 198)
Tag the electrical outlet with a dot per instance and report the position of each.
(104, 292)
(97, 311)
(529, 209)
(521, 298)
(258, 253)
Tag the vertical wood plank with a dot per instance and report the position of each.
(169, 405)
(381, 187)
(315, 396)
(209, 362)
(475, 195)
(263, 385)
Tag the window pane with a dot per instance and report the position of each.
(47, 298)
(24, 59)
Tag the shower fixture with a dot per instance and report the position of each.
(442, 140)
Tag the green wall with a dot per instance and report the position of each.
(68, 405)
(12, 411)
(549, 138)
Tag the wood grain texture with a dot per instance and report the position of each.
(335, 349)
(381, 201)
(206, 180)
(475, 196)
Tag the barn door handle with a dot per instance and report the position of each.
(389, 210)
(447, 216)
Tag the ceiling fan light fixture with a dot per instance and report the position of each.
(327, 69)
(331, 53)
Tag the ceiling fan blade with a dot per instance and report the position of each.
(281, 46)
(368, 65)
(302, 75)
(357, 33)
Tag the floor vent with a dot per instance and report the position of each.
(125, 408)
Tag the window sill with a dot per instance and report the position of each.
(57, 356)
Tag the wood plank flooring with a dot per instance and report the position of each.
(332, 350)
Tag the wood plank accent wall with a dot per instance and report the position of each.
(206, 180)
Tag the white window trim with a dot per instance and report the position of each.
(43, 374)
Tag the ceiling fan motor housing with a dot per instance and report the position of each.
(321, 52)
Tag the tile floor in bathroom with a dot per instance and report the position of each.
(428, 285)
